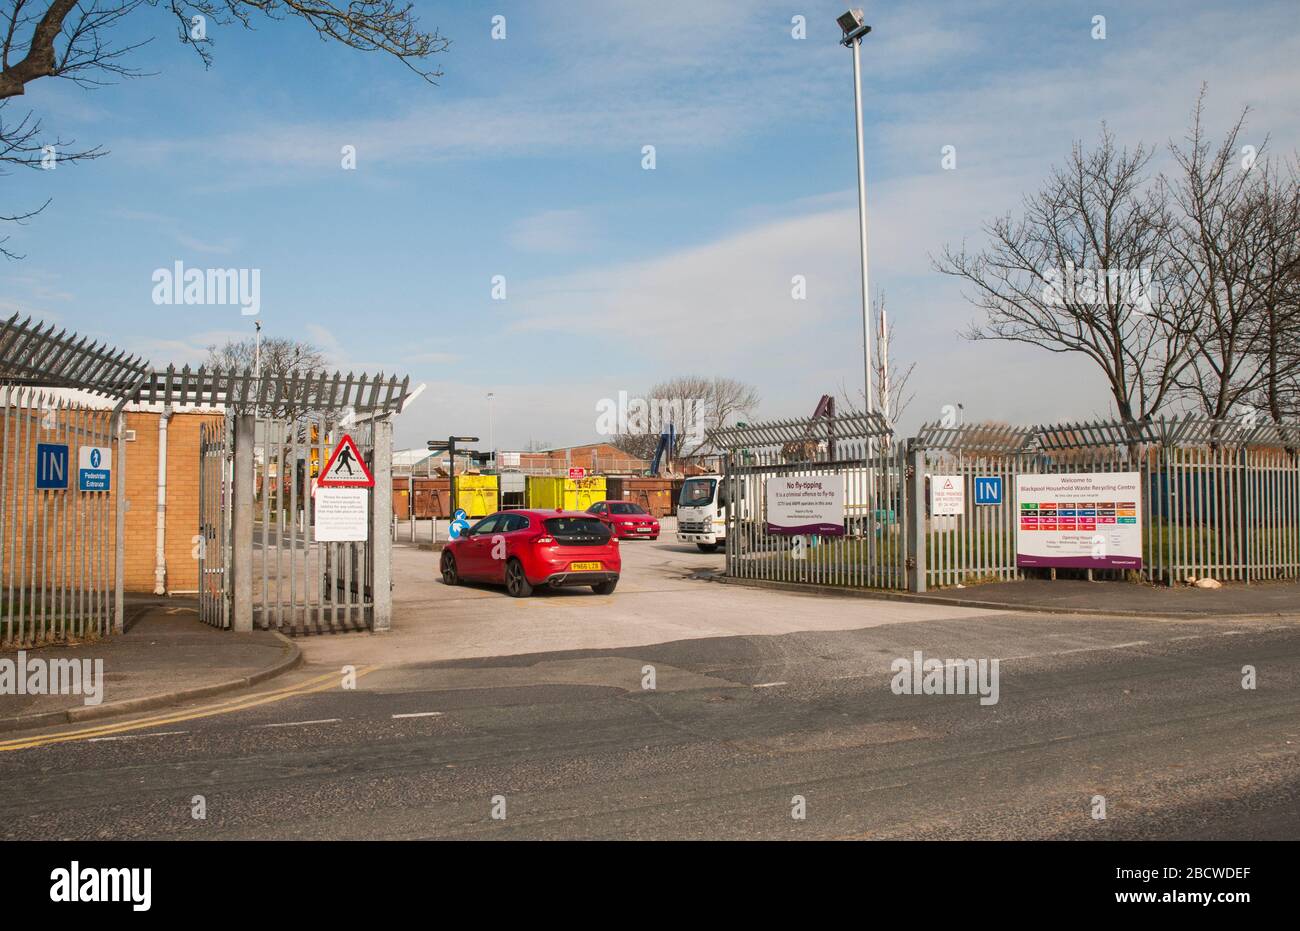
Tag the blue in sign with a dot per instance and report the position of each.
(988, 489)
(51, 466)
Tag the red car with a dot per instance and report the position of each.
(627, 519)
(526, 549)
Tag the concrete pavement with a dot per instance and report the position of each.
(165, 656)
(1277, 599)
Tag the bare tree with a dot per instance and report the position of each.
(76, 40)
(1234, 242)
(699, 404)
(1220, 242)
(1081, 272)
(279, 357)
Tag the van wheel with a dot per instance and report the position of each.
(449, 574)
(517, 584)
(707, 547)
(605, 588)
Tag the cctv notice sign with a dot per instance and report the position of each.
(1084, 520)
(947, 495)
(800, 504)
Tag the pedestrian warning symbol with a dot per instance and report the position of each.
(346, 468)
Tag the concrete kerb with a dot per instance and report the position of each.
(1004, 607)
(291, 658)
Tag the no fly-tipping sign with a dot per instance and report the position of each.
(346, 468)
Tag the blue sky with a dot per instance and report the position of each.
(526, 161)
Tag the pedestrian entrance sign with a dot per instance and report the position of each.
(346, 468)
(94, 468)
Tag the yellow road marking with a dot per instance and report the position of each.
(315, 684)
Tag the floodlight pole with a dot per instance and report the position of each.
(854, 43)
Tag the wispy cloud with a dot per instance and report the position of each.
(553, 232)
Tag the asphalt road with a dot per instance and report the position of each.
(1150, 714)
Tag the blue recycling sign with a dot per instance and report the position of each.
(51, 466)
(988, 489)
(94, 468)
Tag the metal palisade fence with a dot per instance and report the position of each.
(1216, 498)
(855, 456)
(56, 540)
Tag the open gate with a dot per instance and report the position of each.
(301, 586)
(298, 585)
(856, 458)
(215, 507)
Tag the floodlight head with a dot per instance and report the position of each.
(852, 25)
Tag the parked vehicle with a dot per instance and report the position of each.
(701, 516)
(627, 519)
(525, 549)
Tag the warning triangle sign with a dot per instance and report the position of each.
(346, 468)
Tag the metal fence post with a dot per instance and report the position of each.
(119, 548)
(914, 485)
(383, 512)
(242, 524)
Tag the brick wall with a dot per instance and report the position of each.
(182, 500)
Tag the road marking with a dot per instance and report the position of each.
(420, 714)
(136, 736)
(301, 723)
(768, 685)
(329, 680)
(1109, 646)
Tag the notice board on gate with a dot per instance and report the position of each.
(805, 504)
(1082, 520)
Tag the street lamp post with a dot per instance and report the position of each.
(854, 29)
(492, 446)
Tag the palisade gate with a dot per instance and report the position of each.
(260, 562)
(855, 456)
(1216, 498)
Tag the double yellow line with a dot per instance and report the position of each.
(319, 683)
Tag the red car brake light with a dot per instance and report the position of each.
(544, 540)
